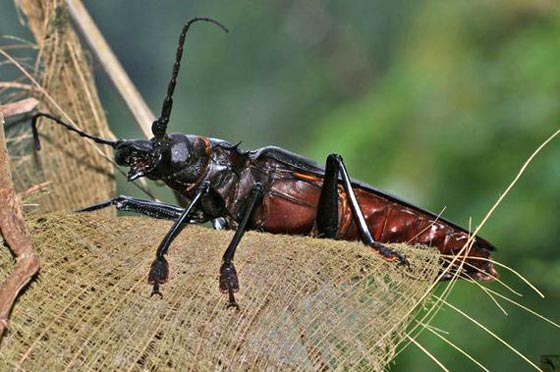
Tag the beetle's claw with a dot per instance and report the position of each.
(232, 305)
(402, 259)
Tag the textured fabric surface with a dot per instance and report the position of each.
(305, 303)
(71, 171)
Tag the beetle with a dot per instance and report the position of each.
(273, 190)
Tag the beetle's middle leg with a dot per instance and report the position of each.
(327, 210)
(228, 275)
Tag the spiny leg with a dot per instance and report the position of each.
(327, 210)
(149, 208)
(159, 271)
(228, 275)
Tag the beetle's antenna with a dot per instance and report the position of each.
(159, 126)
(67, 126)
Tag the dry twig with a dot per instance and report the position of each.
(14, 231)
(134, 101)
(16, 85)
(20, 107)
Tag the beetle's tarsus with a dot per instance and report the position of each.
(403, 260)
(390, 255)
(228, 278)
(159, 272)
(155, 291)
(229, 283)
(95, 207)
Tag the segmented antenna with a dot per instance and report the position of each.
(67, 126)
(159, 126)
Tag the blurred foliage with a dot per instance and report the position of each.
(473, 91)
(438, 102)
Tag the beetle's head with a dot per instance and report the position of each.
(141, 156)
(155, 157)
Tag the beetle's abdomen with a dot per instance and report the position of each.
(391, 222)
(290, 207)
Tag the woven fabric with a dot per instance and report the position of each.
(72, 171)
(304, 303)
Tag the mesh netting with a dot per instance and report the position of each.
(305, 303)
(73, 170)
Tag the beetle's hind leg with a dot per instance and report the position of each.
(327, 210)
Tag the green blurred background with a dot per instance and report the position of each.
(438, 102)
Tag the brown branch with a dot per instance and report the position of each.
(16, 236)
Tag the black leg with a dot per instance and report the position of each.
(147, 207)
(159, 270)
(228, 275)
(327, 210)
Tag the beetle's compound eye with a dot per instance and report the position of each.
(180, 152)
(122, 153)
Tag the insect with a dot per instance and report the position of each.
(270, 189)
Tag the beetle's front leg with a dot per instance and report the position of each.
(327, 210)
(228, 275)
(150, 208)
(159, 271)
